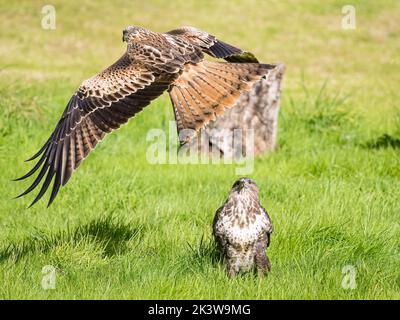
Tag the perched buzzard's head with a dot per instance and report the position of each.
(245, 185)
(132, 33)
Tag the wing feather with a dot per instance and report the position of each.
(213, 46)
(204, 90)
(102, 104)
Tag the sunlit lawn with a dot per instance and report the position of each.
(124, 228)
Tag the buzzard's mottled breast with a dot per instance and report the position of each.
(242, 228)
(242, 220)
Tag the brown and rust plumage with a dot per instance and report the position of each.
(242, 229)
(153, 63)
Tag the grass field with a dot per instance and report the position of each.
(123, 228)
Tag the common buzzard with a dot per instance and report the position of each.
(154, 62)
(242, 229)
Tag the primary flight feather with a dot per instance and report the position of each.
(154, 62)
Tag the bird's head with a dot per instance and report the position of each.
(245, 185)
(134, 33)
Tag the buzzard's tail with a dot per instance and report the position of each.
(204, 90)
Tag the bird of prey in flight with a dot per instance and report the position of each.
(242, 229)
(154, 62)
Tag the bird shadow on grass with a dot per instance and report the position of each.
(383, 142)
(386, 140)
(110, 234)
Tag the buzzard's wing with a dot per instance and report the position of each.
(101, 104)
(269, 227)
(213, 46)
(221, 242)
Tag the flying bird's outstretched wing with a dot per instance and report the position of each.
(153, 63)
(213, 46)
(101, 104)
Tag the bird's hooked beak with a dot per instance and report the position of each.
(124, 35)
(241, 185)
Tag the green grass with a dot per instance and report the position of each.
(123, 228)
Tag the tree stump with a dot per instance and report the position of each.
(255, 114)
